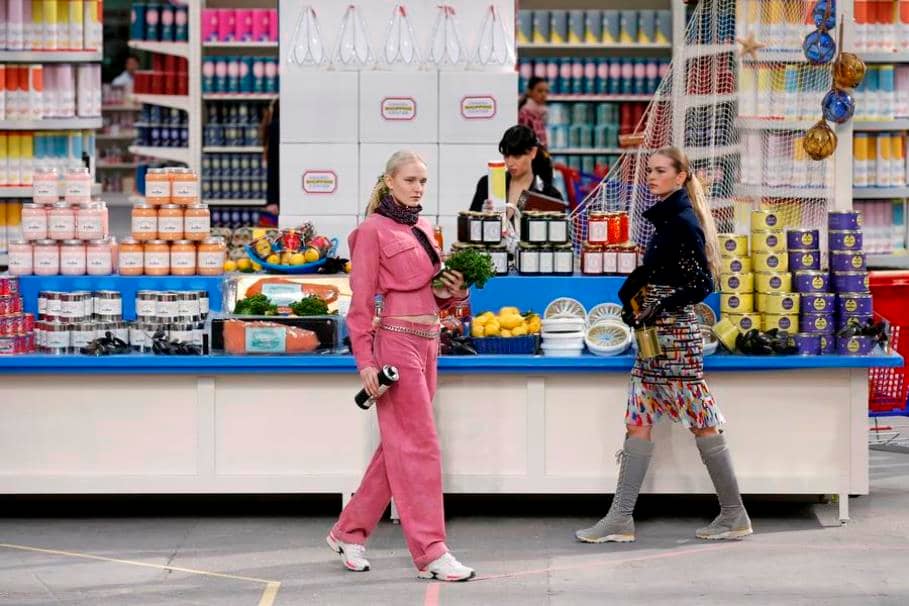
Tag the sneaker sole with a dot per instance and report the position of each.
(729, 535)
(609, 538)
(340, 551)
(429, 576)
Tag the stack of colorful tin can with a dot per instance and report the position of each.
(849, 279)
(816, 303)
(737, 283)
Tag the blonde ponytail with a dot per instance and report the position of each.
(379, 191)
(708, 225)
(394, 164)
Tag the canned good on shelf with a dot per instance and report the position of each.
(773, 282)
(737, 283)
(733, 245)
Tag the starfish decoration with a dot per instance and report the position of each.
(750, 46)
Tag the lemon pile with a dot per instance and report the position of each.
(287, 257)
(509, 322)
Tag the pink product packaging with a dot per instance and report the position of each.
(273, 25)
(260, 24)
(210, 25)
(227, 24)
(244, 25)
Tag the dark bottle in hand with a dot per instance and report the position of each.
(387, 377)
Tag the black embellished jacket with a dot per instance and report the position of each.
(675, 256)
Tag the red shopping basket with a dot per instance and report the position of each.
(887, 387)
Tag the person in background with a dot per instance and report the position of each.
(394, 255)
(678, 271)
(270, 135)
(125, 79)
(532, 111)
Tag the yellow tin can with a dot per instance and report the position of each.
(778, 303)
(787, 322)
(735, 265)
(770, 281)
(737, 282)
(745, 322)
(733, 245)
(770, 262)
(768, 241)
(765, 220)
(736, 303)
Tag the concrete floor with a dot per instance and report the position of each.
(263, 551)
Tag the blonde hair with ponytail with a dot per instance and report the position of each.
(700, 206)
(392, 166)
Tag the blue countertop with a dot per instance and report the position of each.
(335, 363)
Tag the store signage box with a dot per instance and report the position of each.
(319, 178)
(399, 107)
(476, 107)
(460, 167)
(373, 157)
(320, 106)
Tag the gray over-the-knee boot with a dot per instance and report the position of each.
(733, 521)
(618, 525)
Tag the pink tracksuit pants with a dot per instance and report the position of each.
(407, 465)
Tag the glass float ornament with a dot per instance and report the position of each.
(823, 19)
(838, 106)
(848, 71)
(820, 141)
(819, 47)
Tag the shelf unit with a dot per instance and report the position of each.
(183, 102)
(241, 45)
(52, 124)
(239, 96)
(583, 151)
(174, 154)
(770, 124)
(7, 56)
(237, 202)
(126, 136)
(180, 49)
(879, 193)
(532, 46)
(880, 125)
(227, 149)
(802, 193)
(600, 98)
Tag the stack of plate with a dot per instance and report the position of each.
(606, 334)
(563, 326)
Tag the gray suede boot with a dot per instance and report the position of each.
(618, 525)
(733, 521)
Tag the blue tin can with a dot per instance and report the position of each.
(817, 302)
(845, 240)
(850, 281)
(843, 320)
(811, 281)
(828, 344)
(802, 239)
(854, 346)
(804, 260)
(821, 323)
(808, 344)
(838, 220)
(854, 303)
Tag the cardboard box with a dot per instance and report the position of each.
(460, 167)
(374, 156)
(476, 107)
(399, 107)
(320, 179)
(319, 106)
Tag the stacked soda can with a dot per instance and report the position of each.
(849, 279)
(16, 328)
(69, 321)
(816, 326)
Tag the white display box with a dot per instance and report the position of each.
(476, 107)
(319, 106)
(332, 226)
(460, 167)
(399, 107)
(320, 179)
(373, 157)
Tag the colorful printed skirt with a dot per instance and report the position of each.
(672, 383)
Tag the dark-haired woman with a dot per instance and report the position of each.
(532, 111)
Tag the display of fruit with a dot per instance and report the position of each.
(291, 247)
(508, 322)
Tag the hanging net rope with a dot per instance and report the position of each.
(737, 99)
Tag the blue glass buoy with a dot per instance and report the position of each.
(838, 106)
(819, 47)
(820, 9)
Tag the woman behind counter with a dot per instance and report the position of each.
(393, 254)
(680, 264)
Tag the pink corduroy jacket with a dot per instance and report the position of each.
(386, 259)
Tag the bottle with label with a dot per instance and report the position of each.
(387, 377)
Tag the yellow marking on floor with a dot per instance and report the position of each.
(267, 599)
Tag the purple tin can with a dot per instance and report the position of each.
(808, 344)
(844, 240)
(854, 346)
(848, 303)
(812, 281)
(802, 239)
(816, 302)
(850, 281)
(848, 260)
(828, 344)
(804, 260)
(843, 320)
(821, 323)
(844, 220)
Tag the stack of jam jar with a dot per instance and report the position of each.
(16, 328)
(69, 236)
(69, 321)
(608, 249)
(483, 231)
(544, 248)
(171, 231)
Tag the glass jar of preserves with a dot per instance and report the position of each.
(144, 222)
(534, 227)
(212, 254)
(592, 260)
(91, 221)
(78, 185)
(184, 187)
(34, 222)
(499, 256)
(547, 260)
(130, 258)
(72, 258)
(563, 259)
(464, 226)
(157, 258)
(46, 186)
(196, 222)
(617, 223)
(598, 228)
(170, 222)
(558, 228)
(627, 258)
(157, 187)
(492, 228)
(476, 228)
(46, 258)
(528, 259)
(99, 257)
(610, 260)
(61, 222)
(20, 258)
(183, 258)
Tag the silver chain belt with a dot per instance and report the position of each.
(426, 334)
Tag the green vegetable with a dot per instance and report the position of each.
(310, 306)
(256, 305)
(476, 267)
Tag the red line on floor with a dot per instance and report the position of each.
(432, 594)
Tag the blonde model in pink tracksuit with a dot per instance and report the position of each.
(393, 254)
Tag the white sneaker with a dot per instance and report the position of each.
(447, 568)
(352, 554)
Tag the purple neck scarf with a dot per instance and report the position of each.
(408, 215)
